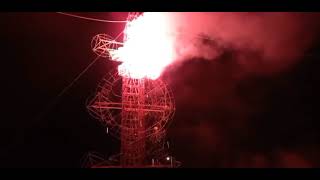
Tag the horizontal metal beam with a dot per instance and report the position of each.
(119, 106)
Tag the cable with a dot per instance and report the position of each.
(90, 19)
(20, 137)
(119, 35)
(50, 105)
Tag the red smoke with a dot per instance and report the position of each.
(280, 37)
(225, 75)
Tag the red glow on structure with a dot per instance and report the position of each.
(148, 47)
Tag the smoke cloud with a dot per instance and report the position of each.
(234, 106)
(280, 38)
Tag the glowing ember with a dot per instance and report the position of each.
(148, 47)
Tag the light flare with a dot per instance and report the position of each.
(148, 47)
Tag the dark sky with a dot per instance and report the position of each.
(221, 120)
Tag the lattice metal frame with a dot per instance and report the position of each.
(103, 45)
(157, 109)
(136, 111)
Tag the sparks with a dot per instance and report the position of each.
(148, 48)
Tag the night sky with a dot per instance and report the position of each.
(227, 115)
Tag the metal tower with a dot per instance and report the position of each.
(135, 110)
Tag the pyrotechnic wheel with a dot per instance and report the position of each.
(158, 107)
(104, 45)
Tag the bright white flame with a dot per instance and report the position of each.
(148, 49)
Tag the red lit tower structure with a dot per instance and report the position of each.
(135, 110)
